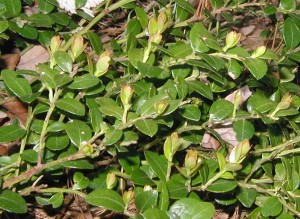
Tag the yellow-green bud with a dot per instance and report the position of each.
(126, 94)
(171, 145)
(156, 38)
(86, 148)
(152, 26)
(191, 159)
(285, 102)
(161, 106)
(55, 43)
(102, 64)
(77, 46)
(161, 20)
(231, 40)
(239, 152)
(111, 180)
(259, 52)
(128, 196)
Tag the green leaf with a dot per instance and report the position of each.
(12, 202)
(288, 5)
(257, 67)
(291, 33)
(41, 20)
(110, 107)
(25, 31)
(56, 200)
(142, 17)
(190, 112)
(148, 127)
(152, 71)
(95, 41)
(96, 119)
(220, 109)
(129, 160)
(81, 182)
(163, 198)
(243, 129)
(271, 207)
(158, 164)
(201, 89)
(106, 198)
(180, 50)
(176, 187)
(148, 107)
(189, 208)
(57, 141)
(215, 62)
(3, 26)
(63, 60)
(83, 82)
(217, 3)
(222, 185)
(182, 88)
(11, 133)
(10, 8)
(61, 18)
(78, 131)
(71, 105)
(146, 200)
(112, 135)
(19, 86)
(151, 213)
(246, 196)
(133, 27)
(45, 7)
(139, 177)
(186, 6)
(30, 156)
(197, 43)
(260, 103)
(56, 126)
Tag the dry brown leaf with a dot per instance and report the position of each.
(17, 109)
(36, 55)
(9, 61)
(225, 130)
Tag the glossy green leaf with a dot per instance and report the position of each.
(25, 31)
(56, 200)
(291, 33)
(164, 197)
(260, 103)
(197, 43)
(133, 27)
(78, 164)
(189, 208)
(57, 141)
(217, 3)
(257, 67)
(60, 18)
(109, 107)
(106, 198)
(30, 156)
(112, 135)
(19, 86)
(10, 8)
(151, 213)
(96, 119)
(83, 82)
(157, 163)
(182, 88)
(222, 185)
(129, 160)
(142, 17)
(190, 112)
(271, 207)
(146, 199)
(63, 60)
(246, 196)
(288, 5)
(81, 182)
(139, 177)
(201, 89)
(12, 202)
(185, 5)
(95, 41)
(41, 20)
(56, 126)
(148, 127)
(148, 107)
(3, 26)
(78, 131)
(152, 71)
(220, 109)
(45, 7)
(71, 105)
(215, 62)
(11, 133)
(135, 55)
(243, 129)
(180, 50)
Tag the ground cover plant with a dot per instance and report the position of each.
(150, 109)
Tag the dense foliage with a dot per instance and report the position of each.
(180, 116)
